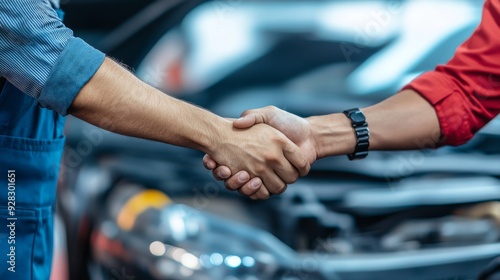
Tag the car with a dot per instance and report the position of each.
(137, 209)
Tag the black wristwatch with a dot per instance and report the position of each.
(360, 126)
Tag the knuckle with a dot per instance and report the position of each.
(294, 178)
(304, 165)
(259, 170)
(249, 190)
(244, 191)
(281, 189)
(264, 196)
(214, 174)
(230, 185)
(271, 108)
(289, 146)
(272, 158)
(246, 112)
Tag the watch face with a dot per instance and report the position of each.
(358, 117)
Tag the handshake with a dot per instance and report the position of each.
(268, 148)
(281, 147)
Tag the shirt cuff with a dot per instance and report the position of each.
(445, 96)
(75, 66)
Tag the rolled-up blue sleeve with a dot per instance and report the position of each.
(41, 57)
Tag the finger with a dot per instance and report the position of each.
(251, 187)
(221, 173)
(287, 172)
(262, 193)
(208, 162)
(237, 181)
(273, 182)
(293, 154)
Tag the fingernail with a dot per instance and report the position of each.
(254, 183)
(243, 177)
(222, 174)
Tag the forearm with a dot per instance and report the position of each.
(115, 100)
(403, 121)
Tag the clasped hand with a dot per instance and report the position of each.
(270, 173)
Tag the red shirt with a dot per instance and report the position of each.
(466, 91)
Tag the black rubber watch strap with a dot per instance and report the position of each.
(362, 132)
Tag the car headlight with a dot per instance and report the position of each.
(197, 245)
(175, 241)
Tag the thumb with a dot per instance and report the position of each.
(248, 120)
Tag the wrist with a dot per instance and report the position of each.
(199, 129)
(218, 130)
(333, 135)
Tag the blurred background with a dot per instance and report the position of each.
(135, 209)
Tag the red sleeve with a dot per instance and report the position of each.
(466, 91)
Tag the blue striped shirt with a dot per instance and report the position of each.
(40, 56)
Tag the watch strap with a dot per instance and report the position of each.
(362, 132)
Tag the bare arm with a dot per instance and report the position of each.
(446, 106)
(116, 100)
(403, 121)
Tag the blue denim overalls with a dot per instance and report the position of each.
(31, 146)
